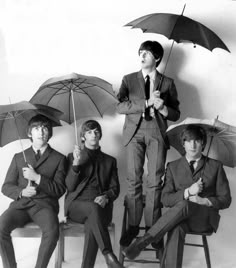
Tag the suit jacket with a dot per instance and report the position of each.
(216, 186)
(107, 176)
(52, 168)
(131, 98)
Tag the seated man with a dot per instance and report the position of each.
(35, 190)
(195, 189)
(93, 185)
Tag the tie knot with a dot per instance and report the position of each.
(147, 77)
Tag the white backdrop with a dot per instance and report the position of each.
(46, 38)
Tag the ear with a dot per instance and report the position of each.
(82, 138)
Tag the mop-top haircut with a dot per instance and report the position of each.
(89, 125)
(40, 120)
(194, 132)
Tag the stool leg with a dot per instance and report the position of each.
(206, 250)
(123, 229)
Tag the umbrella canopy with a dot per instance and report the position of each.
(14, 119)
(78, 96)
(179, 28)
(221, 139)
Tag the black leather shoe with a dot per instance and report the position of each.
(137, 246)
(129, 235)
(112, 261)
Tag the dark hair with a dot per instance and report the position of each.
(89, 125)
(155, 48)
(40, 120)
(194, 132)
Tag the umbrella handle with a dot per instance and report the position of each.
(73, 107)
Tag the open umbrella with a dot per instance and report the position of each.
(221, 139)
(14, 120)
(77, 95)
(178, 28)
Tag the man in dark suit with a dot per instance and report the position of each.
(93, 185)
(196, 188)
(35, 189)
(148, 99)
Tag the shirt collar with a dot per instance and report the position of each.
(193, 159)
(152, 75)
(42, 149)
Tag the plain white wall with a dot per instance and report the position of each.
(46, 38)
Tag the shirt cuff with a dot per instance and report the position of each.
(186, 194)
(164, 111)
(209, 204)
(38, 180)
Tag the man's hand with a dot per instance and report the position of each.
(30, 174)
(29, 191)
(101, 200)
(199, 200)
(196, 188)
(76, 155)
(158, 104)
(154, 95)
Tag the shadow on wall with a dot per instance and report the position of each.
(190, 104)
(3, 60)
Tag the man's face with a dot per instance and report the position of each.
(193, 148)
(39, 135)
(147, 59)
(92, 138)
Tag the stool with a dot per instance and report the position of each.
(124, 227)
(72, 229)
(203, 245)
(30, 230)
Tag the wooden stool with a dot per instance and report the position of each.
(124, 227)
(72, 229)
(203, 245)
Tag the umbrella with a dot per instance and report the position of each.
(221, 139)
(178, 28)
(14, 120)
(77, 95)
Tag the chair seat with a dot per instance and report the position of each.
(29, 230)
(70, 228)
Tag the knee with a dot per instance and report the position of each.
(52, 232)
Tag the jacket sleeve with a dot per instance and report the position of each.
(11, 187)
(125, 104)
(55, 186)
(222, 198)
(172, 103)
(114, 187)
(170, 195)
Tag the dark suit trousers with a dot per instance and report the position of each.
(184, 216)
(146, 142)
(96, 220)
(12, 218)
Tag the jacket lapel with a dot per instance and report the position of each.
(200, 165)
(157, 85)
(44, 156)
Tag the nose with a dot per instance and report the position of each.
(193, 144)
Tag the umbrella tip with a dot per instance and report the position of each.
(183, 9)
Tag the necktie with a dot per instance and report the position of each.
(147, 94)
(37, 155)
(191, 165)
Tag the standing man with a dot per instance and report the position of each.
(148, 99)
(35, 190)
(195, 189)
